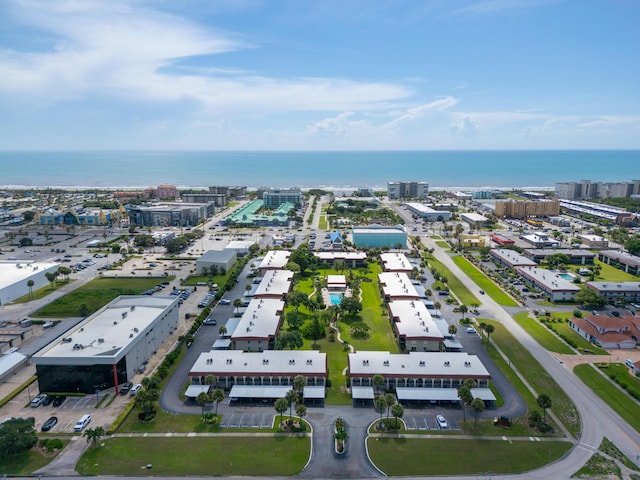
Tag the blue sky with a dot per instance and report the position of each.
(319, 75)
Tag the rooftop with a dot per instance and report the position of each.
(423, 364)
(395, 262)
(397, 285)
(550, 280)
(15, 271)
(413, 320)
(274, 283)
(275, 259)
(108, 332)
(267, 363)
(260, 319)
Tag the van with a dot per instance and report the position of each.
(25, 322)
(82, 423)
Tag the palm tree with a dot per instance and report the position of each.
(464, 394)
(201, 400)
(453, 329)
(217, 396)
(463, 310)
(298, 383)
(301, 411)
(222, 331)
(378, 382)
(237, 303)
(291, 397)
(380, 404)
(489, 329)
(30, 284)
(544, 402)
(93, 435)
(210, 380)
(281, 406)
(482, 326)
(478, 406)
(397, 411)
(389, 400)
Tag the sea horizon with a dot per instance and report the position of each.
(328, 169)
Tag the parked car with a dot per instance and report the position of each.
(49, 424)
(471, 330)
(442, 422)
(125, 387)
(47, 324)
(38, 400)
(135, 389)
(82, 423)
(59, 400)
(47, 400)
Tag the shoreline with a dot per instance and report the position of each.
(306, 188)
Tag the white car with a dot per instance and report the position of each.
(225, 301)
(471, 330)
(442, 422)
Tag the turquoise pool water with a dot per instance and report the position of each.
(566, 276)
(335, 298)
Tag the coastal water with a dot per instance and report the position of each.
(448, 169)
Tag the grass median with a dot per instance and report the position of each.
(420, 456)
(210, 456)
(537, 376)
(542, 334)
(484, 282)
(619, 401)
(457, 287)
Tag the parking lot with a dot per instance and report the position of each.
(254, 417)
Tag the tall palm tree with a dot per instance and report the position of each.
(217, 396)
(30, 284)
(237, 303)
(544, 402)
(463, 310)
(291, 397)
(478, 406)
(298, 383)
(281, 406)
(380, 404)
(201, 400)
(378, 382)
(397, 411)
(389, 400)
(489, 329)
(222, 330)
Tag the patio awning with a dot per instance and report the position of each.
(430, 394)
(483, 394)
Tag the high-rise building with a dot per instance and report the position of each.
(526, 208)
(401, 190)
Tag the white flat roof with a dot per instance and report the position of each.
(395, 262)
(275, 259)
(474, 217)
(260, 320)
(107, 332)
(421, 207)
(267, 363)
(239, 245)
(341, 255)
(194, 390)
(397, 285)
(551, 281)
(11, 274)
(362, 393)
(414, 320)
(377, 229)
(274, 283)
(512, 258)
(339, 280)
(417, 364)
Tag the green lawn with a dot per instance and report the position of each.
(442, 244)
(210, 456)
(537, 376)
(612, 274)
(542, 334)
(27, 462)
(456, 286)
(485, 283)
(625, 406)
(95, 295)
(415, 456)
(43, 292)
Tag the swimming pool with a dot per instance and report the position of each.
(566, 276)
(335, 298)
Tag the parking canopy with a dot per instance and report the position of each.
(194, 390)
(311, 392)
(259, 391)
(441, 394)
(362, 393)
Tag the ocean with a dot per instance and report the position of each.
(199, 169)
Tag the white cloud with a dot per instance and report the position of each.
(124, 51)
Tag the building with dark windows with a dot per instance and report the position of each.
(109, 347)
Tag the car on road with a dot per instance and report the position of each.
(225, 301)
(59, 400)
(47, 325)
(471, 330)
(481, 292)
(49, 424)
(442, 422)
(210, 321)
